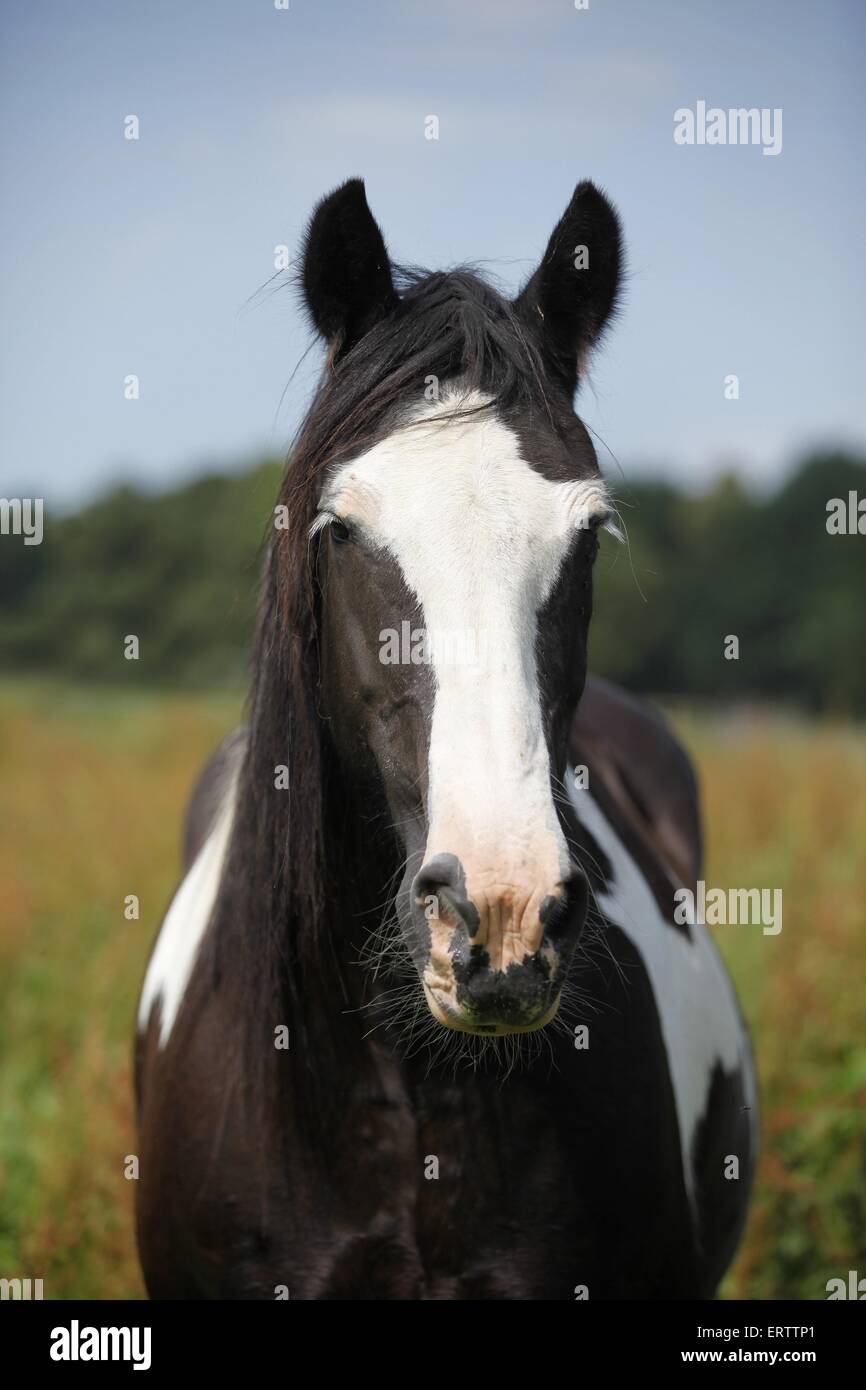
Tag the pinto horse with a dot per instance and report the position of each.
(421, 1021)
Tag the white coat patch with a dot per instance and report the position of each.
(697, 1008)
(184, 926)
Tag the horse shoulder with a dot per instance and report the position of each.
(206, 838)
(640, 809)
(209, 791)
(645, 770)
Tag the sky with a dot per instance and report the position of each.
(155, 257)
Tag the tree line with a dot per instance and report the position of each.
(180, 570)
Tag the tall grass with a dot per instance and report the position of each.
(93, 786)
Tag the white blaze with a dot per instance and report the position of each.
(480, 537)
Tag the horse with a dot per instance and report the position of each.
(421, 1021)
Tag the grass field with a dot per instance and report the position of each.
(93, 788)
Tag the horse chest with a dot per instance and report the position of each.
(451, 1196)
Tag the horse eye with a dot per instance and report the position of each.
(339, 531)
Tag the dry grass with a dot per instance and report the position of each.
(94, 786)
(785, 807)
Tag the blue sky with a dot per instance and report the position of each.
(146, 257)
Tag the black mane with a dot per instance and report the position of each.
(278, 875)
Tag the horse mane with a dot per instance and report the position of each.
(273, 939)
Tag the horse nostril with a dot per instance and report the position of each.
(568, 908)
(442, 871)
(442, 902)
(439, 891)
(555, 914)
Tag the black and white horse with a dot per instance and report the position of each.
(420, 1022)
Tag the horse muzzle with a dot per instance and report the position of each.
(493, 961)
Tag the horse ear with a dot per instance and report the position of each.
(571, 296)
(346, 271)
